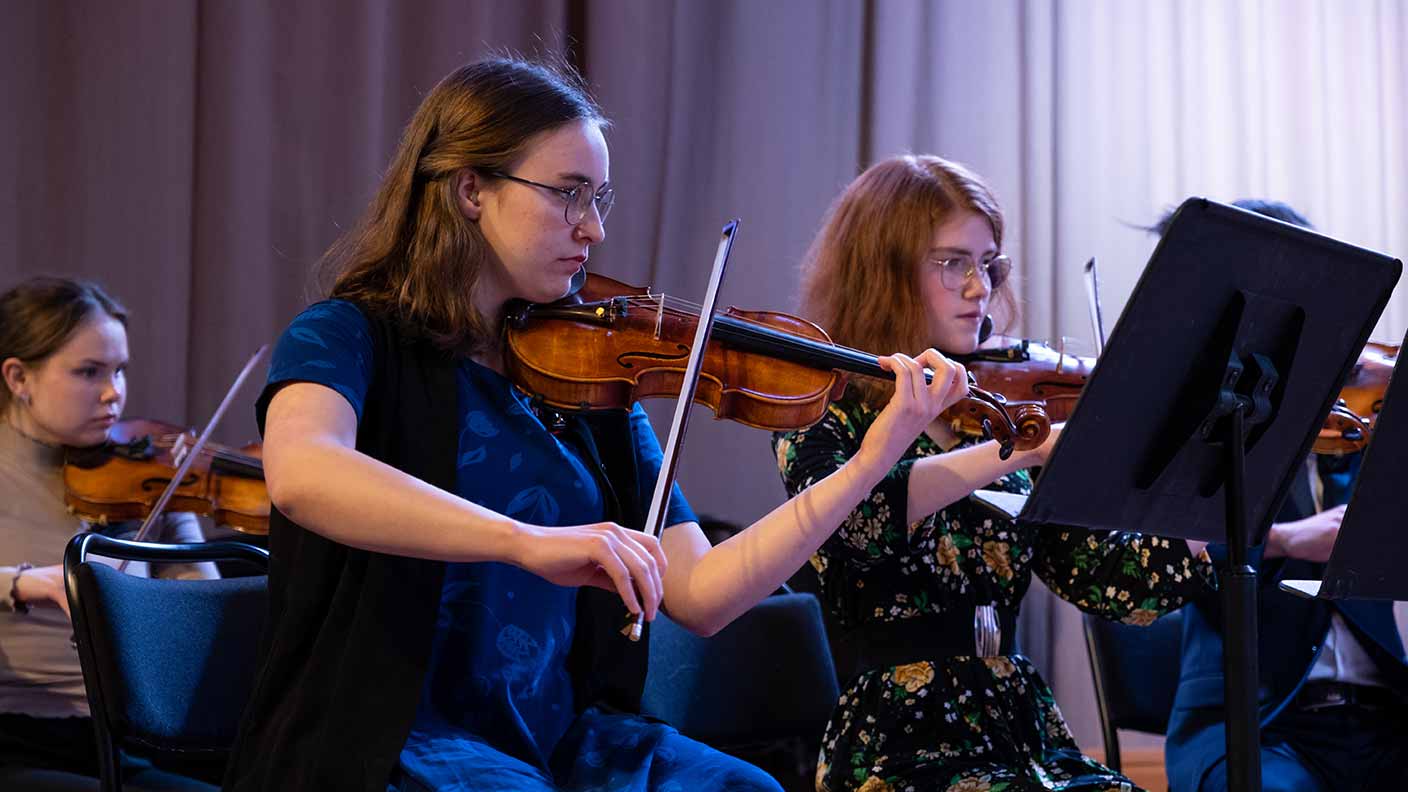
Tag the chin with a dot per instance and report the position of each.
(550, 291)
(86, 439)
(965, 345)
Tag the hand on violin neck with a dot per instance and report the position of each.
(913, 407)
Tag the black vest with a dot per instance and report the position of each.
(349, 631)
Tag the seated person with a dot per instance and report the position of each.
(63, 356)
(1332, 674)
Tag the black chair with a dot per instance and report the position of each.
(1135, 670)
(168, 664)
(763, 685)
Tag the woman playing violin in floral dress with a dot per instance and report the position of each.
(923, 583)
(442, 547)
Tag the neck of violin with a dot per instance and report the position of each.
(785, 346)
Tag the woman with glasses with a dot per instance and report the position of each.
(921, 585)
(450, 561)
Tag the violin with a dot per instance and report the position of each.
(123, 478)
(1030, 372)
(611, 344)
(1352, 418)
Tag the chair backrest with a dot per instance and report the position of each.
(766, 676)
(168, 664)
(1135, 670)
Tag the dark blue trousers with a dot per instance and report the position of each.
(1330, 750)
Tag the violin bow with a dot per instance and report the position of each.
(664, 481)
(194, 451)
(1092, 293)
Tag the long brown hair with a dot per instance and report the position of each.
(38, 316)
(414, 258)
(860, 279)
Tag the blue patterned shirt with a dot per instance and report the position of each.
(498, 667)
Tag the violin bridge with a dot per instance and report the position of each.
(659, 311)
(178, 450)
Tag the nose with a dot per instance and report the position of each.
(115, 390)
(591, 229)
(977, 286)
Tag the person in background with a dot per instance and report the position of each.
(923, 583)
(1333, 673)
(63, 356)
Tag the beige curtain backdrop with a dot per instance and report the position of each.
(197, 157)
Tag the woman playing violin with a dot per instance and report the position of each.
(63, 355)
(922, 584)
(449, 559)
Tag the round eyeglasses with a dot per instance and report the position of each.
(580, 199)
(955, 271)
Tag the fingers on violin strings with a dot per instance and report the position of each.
(912, 373)
(942, 369)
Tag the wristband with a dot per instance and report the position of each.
(18, 604)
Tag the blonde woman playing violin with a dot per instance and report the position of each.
(921, 584)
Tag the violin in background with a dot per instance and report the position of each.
(1030, 372)
(124, 478)
(1351, 421)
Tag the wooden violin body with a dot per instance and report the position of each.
(123, 478)
(1030, 372)
(614, 344)
(1351, 421)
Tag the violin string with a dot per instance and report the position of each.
(168, 441)
(758, 331)
(678, 306)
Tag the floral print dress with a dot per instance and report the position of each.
(964, 724)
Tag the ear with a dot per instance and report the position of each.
(14, 372)
(467, 186)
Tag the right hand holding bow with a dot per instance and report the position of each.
(601, 554)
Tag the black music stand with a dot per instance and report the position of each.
(1205, 402)
(1366, 561)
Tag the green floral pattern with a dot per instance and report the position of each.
(962, 723)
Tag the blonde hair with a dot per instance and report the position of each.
(860, 278)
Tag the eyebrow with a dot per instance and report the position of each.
(578, 178)
(96, 362)
(960, 251)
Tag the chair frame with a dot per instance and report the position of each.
(1108, 731)
(1112, 721)
(75, 555)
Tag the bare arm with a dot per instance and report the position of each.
(183, 527)
(1309, 539)
(937, 481)
(706, 588)
(318, 479)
